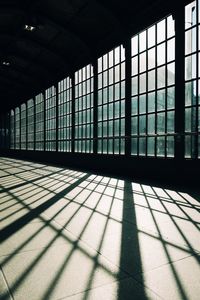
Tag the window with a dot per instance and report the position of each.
(111, 102)
(39, 122)
(17, 128)
(30, 124)
(153, 91)
(84, 110)
(12, 129)
(50, 97)
(65, 115)
(23, 126)
(192, 80)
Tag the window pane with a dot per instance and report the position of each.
(151, 146)
(160, 146)
(151, 36)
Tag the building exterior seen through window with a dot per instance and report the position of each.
(50, 112)
(111, 102)
(153, 90)
(39, 122)
(30, 124)
(65, 115)
(84, 110)
(23, 126)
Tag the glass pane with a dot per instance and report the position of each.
(142, 104)
(151, 80)
(161, 54)
(110, 146)
(117, 73)
(134, 85)
(134, 45)
(170, 98)
(99, 69)
(170, 27)
(151, 102)
(161, 100)
(190, 93)
(151, 36)
(135, 65)
(142, 124)
(189, 146)
(161, 31)
(188, 119)
(171, 74)
(161, 123)
(171, 50)
(142, 146)
(110, 91)
(111, 76)
(110, 54)
(143, 83)
(190, 67)
(134, 106)
(134, 125)
(142, 41)
(151, 58)
(161, 146)
(143, 62)
(151, 146)
(190, 41)
(134, 146)
(117, 55)
(170, 121)
(151, 124)
(161, 77)
(190, 15)
(170, 146)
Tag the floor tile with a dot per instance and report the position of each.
(58, 271)
(179, 280)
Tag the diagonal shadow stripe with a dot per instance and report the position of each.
(18, 224)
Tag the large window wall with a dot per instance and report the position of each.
(39, 122)
(153, 90)
(23, 126)
(84, 113)
(111, 102)
(192, 80)
(93, 105)
(50, 98)
(65, 115)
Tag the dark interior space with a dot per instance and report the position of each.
(100, 149)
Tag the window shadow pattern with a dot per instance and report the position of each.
(67, 234)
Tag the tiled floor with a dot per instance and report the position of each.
(73, 235)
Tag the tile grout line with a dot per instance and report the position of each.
(6, 283)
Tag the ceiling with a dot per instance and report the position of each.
(68, 34)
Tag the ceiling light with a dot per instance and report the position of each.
(29, 27)
(6, 63)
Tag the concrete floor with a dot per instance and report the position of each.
(77, 236)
